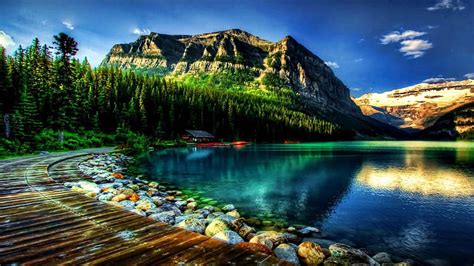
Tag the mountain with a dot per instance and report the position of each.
(284, 64)
(456, 124)
(236, 49)
(417, 107)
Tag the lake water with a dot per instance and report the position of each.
(412, 199)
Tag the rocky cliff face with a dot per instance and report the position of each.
(235, 49)
(419, 106)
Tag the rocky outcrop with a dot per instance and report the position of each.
(418, 106)
(287, 60)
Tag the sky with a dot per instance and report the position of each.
(371, 45)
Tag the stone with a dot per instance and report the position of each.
(158, 201)
(117, 175)
(320, 241)
(145, 204)
(287, 253)
(134, 187)
(216, 226)
(228, 236)
(245, 230)
(191, 205)
(105, 197)
(119, 197)
(164, 217)
(337, 261)
(310, 253)
(382, 257)
(134, 197)
(308, 230)
(193, 224)
(127, 204)
(228, 208)
(352, 254)
(276, 237)
(139, 212)
(255, 247)
(262, 241)
(153, 184)
(234, 213)
(89, 186)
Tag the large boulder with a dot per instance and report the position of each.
(310, 253)
(287, 253)
(228, 236)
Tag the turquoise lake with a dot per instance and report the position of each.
(412, 199)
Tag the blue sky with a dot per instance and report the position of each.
(372, 45)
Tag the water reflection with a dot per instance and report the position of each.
(418, 173)
(405, 197)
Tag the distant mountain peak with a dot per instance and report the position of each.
(417, 106)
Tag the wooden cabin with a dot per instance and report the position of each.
(197, 136)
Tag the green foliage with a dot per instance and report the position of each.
(94, 107)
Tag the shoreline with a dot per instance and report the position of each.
(111, 183)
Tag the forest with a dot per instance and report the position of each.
(51, 100)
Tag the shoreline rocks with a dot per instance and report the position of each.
(109, 182)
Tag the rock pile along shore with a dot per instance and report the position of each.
(107, 180)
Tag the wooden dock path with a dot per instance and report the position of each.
(43, 223)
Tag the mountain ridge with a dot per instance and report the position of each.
(417, 107)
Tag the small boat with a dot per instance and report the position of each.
(291, 142)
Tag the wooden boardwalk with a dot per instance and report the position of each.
(42, 223)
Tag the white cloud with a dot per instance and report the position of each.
(415, 48)
(469, 76)
(141, 31)
(438, 80)
(68, 25)
(396, 36)
(331, 64)
(360, 59)
(6, 40)
(355, 89)
(447, 4)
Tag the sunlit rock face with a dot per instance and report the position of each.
(418, 106)
(416, 176)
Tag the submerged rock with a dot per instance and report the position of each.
(228, 208)
(310, 253)
(287, 253)
(308, 230)
(228, 236)
(382, 257)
